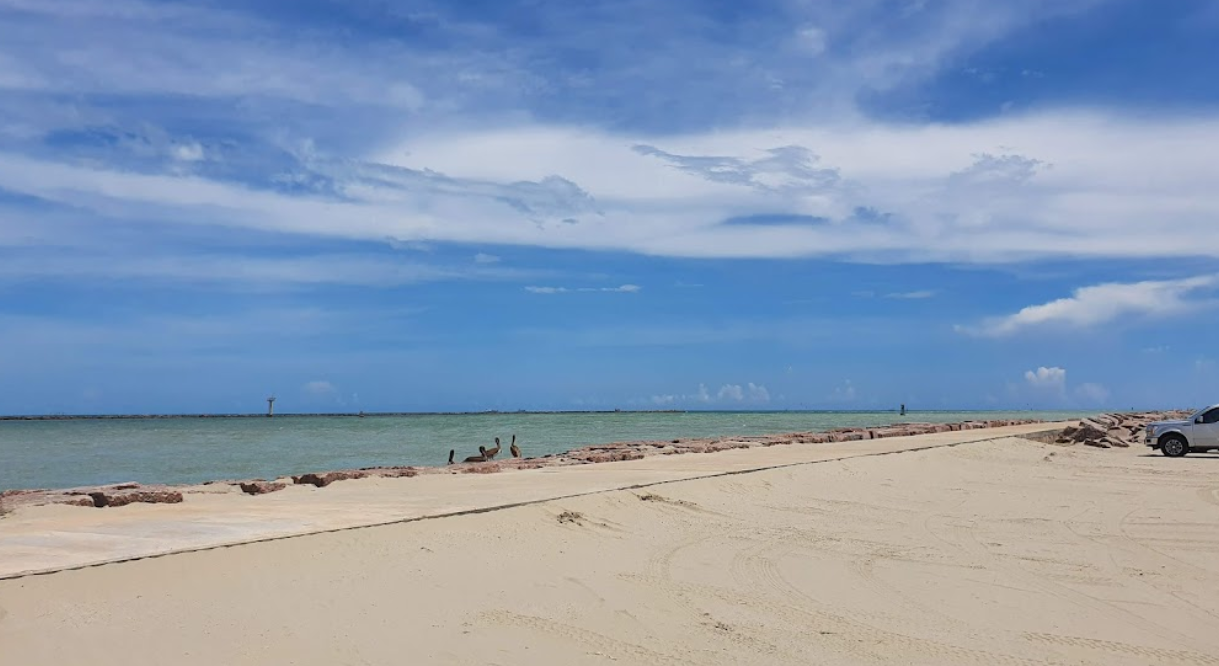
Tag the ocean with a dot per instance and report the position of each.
(69, 453)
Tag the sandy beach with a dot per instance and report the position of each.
(965, 548)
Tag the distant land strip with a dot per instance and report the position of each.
(263, 415)
(116, 417)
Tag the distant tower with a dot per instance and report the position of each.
(270, 406)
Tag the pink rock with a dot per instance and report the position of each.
(113, 499)
(260, 487)
(326, 478)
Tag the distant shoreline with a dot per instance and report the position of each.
(121, 417)
(138, 417)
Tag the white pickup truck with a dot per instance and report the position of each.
(1200, 432)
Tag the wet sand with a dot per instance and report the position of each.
(996, 551)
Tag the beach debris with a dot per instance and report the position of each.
(260, 487)
(112, 498)
(571, 517)
(326, 478)
(482, 469)
(653, 497)
(391, 472)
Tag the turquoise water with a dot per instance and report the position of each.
(62, 454)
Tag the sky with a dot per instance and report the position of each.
(547, 204)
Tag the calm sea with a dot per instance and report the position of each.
(61, 454)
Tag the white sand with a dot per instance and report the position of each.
(991, 552)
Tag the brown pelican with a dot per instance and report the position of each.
(491, 453)
(514, 449)
(451, 454)
(479, 458)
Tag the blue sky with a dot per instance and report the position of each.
(562, 205)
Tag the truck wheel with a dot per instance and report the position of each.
(1174, 446)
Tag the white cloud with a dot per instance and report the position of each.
(1056, 184)
(1048, 386)
(844, 393)
(757, 393)
(1048, 379)
(623, 289)
(811, 40)
(749, 393)
(1100, 304)
(1092, 394)
(912, 295)
(244, 271)
(931, 197)
(319, 388)
(189, 152)
(483, 258)
(731, 392)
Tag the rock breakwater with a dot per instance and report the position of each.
(118, 495)
(1106, 431)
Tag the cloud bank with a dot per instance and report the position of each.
(1103, 304)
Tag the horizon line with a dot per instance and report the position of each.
(85, 417)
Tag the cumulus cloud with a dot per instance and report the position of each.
(749, 393)
(1043, 378)
(1049, 386)
(1100, 304)
(758, 393)
(731, 392)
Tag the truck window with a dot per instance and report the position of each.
(1212, 416)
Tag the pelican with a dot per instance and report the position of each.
(482, 450)
(451, 454)
(491, 453)
(514, 449)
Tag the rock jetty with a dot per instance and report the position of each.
(1107, 431)
(1103, 431)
